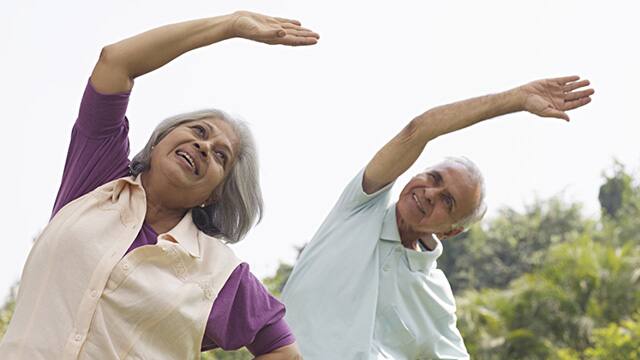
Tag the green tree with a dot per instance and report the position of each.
(617, 341)
(276, 283)
(620, 202)
(7, 310)
(617, 191)
(552, 312)
(511, 244)
(218, 354)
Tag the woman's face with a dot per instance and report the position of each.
(190, 162)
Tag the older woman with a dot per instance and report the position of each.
(133, 264)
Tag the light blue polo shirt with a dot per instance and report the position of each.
(357, 293)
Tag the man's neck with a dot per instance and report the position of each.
(410, 238)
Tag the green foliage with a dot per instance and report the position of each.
(218, 354)
(7, 310)
(617, 191)
(563, 310)
(276, 283)
(512, 244)
(617, 341)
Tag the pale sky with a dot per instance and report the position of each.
(320, 113)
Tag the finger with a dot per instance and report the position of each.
(566, 79)
(296, 27)
(302, 33)
(291, 21)
(297, 40)
(578, 94)
(570, 105)
(575, 85)
(551, 112)
(278, 33)
(292, 26)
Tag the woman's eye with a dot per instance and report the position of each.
(221, 155)
(200, 130)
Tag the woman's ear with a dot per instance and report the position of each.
(217, 194)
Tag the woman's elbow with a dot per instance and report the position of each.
(110, 74)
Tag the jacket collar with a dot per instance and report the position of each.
(417, 260)
(184, 233)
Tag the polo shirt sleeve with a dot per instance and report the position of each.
(354, 197)
(245, 314)
(450, 345)
(99, 147)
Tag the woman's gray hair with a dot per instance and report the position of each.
(476, 175)
(238, 206)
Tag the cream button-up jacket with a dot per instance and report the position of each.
(79, 298)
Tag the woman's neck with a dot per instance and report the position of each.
(159, 216)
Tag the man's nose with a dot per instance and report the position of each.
(431, 194)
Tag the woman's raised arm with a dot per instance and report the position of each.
(123, 61)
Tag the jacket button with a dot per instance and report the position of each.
(78, 337)
(94, 293)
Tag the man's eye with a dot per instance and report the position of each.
(448, 202)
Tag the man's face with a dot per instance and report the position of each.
(433, 201)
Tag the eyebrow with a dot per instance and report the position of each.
(436, 174)
(208, 126)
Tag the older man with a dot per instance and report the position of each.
(367, 285)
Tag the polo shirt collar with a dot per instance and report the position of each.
(417, 260)
(186, 234)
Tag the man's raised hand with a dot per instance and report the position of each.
(553, 97)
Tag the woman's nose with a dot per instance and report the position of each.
(202, 148)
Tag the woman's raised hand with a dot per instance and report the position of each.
(271, 30)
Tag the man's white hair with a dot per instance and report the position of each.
(476, 176)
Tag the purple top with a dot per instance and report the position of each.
(244, 313)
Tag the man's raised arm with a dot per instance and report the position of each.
(546, 98)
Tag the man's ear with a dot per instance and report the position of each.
(449, 234)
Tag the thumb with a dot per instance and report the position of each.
(551, 112)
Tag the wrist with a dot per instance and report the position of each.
(225, 25)
(231, 21)
(515, 99)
